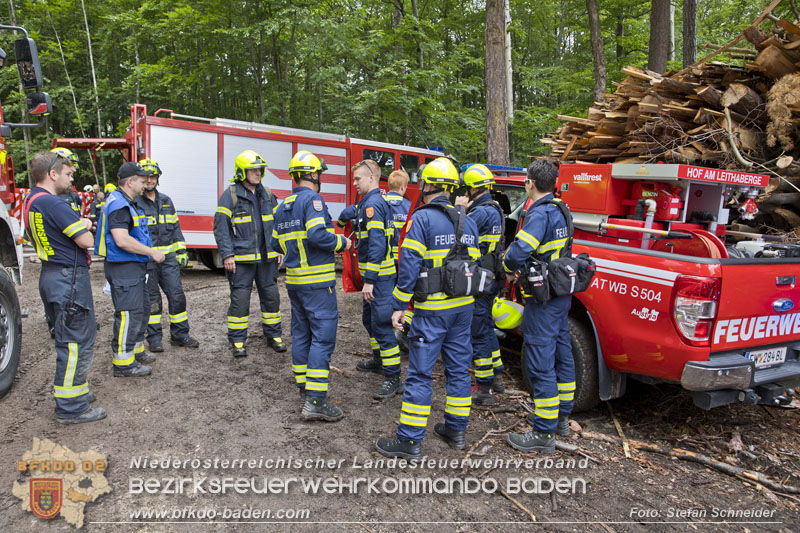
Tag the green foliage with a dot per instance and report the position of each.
(365, 68)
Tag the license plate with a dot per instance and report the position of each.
(767, 358)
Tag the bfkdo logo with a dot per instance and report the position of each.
(46, 497)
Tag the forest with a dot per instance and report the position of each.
(401, 71)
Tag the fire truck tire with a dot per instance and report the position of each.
(10, 332)
(207, 258)
(584, 353)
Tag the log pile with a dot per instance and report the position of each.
(742, 115)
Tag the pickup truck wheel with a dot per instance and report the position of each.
(584, 353)
(10, 332)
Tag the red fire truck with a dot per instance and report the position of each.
(196, 155)
(38, 103)
(678, 297)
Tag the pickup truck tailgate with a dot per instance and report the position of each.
(759, 315)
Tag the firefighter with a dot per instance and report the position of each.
(165, 230)
(304, 232)
(399, 204)
(488, 216)
(96, 206)
(123, 239)
(547, 347)
(61, 238)
(242, 229)
(375, 229)
(441, 323)
(71, 195)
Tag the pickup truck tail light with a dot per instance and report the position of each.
(694, 307)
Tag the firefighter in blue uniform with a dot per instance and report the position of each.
(165, 230)
(441, 323)
(123, 239)
(60, 238)
(374, 228)
(399, 204)
(547, 346)
(487, 215)
(304, 232)
(242, 229)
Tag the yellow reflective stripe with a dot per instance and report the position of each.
(374, 343)
(551, 245)
(225, 211)
(169, 248)
(299, 368)
(267, 218)
(73, 228)
(237, 322)
(374, 224)
(123, 332)
(528, 238)
(118, 361)
(390, 351)
(459, 400)
(362, 234)
(482, 362)
(240, 220)
(407, 316)
(484, 373)
(316, 221)
(289, 199)
(72, 363)
(457, 411)
(247, 257)
(328, 267)
(505, 267)
(419, 421)
(292, 235)
(458, 406)
(415, 409)
(402, 295)
(414, 245)
(317, 373)
(546, 402)
(474, 253)
(546, 413)
(180, 317)
(154, 319)
(70, 392)
(448, 303)
(270, 318)
(489, 238)
(566, 386)
(321, 386)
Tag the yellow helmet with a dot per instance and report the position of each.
(245, 161)
(441, 172)
(67, 154)
(305, 161)
(150, 166)
(478, 176)
(506, 314)
(109, 188)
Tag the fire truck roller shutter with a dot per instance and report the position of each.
(334, 180)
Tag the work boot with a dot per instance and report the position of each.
(303, 397)
(452, 437)
(319, 409)
(532, 441)
(371, 365)
(497, 384)
(238, 349)
(276, 344)
(391, 385)
(90, 415)
(145, 357)
(410, 449)
(188, 342)
(563, 424)
(137, 370)
(155, 346)
(482, 394)
(90, 397)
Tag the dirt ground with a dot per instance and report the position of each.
(205, 404)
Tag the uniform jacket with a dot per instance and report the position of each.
(162, 222)
(400, 207)
(374, 230)
(303, 231)
(544, 233)
(486, 214)
(235, 229)
(429, 236)
(104, 243)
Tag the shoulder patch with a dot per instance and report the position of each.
(370, 212)
(408, 224)
(317, 205)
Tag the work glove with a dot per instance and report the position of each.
(183, 258)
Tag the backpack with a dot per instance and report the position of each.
(459, 274)
(493, 261)
(563, 276)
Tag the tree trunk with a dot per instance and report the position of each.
(658, 49)
(671, 54)
(598, 54)
(94, 84)
(509, 71)
(689, 32)
(496, 124)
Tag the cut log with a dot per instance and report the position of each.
(773, 62)
(754, 35)
(744, 100)
(710, 95)
(792, 219)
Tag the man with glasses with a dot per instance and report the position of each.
(61, 238)
(376, 264)
(123, 239)
(165, 230)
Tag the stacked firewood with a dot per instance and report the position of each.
(743, 116)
